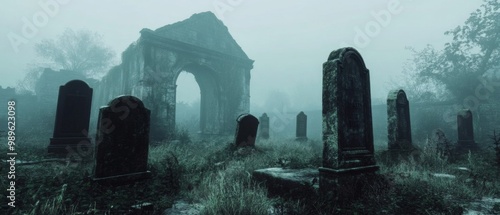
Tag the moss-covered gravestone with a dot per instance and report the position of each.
(264, 126)
(72, 118)
(246, 130)
(122, 142)
(348, 152)
(301, 127)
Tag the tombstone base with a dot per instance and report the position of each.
(65, 145)
(301, 139)
(349, 184)
(123, 179)
(466, 145)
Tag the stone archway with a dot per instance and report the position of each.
(210, 96)
(200, 45)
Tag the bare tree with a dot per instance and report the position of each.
(81, 51)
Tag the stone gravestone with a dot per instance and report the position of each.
(301, 127)
(246, 130)
(264, 126)
(122, 142)
(348, 151)
(465, 131)
(441, 143)
(72, 118)
(398, 121)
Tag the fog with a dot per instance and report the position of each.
(289, 40)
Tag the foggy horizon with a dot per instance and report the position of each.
(288, 42)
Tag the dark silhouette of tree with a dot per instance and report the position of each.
(81, 51)
(468, 65)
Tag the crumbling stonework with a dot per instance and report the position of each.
(200, 45)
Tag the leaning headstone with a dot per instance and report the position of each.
(72, 118)
(398, 121)
(301, 127)
(122, 142)
(246, 130)
(465, 131)
(264, 126)
(348, 151)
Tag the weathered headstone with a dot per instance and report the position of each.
(465, 131)
(264, 126)
(441, 143)
(246, 130)
(348, 151)
(301, 127)
(72, 118)
(398, 121)
(122, 142)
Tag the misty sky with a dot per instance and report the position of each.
(289, 40)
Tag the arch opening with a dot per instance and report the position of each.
(187, 111)
(206, 103)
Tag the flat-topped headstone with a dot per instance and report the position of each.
(465, 128)
(246, 130)
(398, 121)
(72, 118)
(301, 127)
(122, 142)
(264, 126)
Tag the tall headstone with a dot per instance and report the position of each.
(398, 121)
(72, 118)
(301, 127)
(264, 126)
(122, 142)
(465, 131)
(246, 130)
(348, 151)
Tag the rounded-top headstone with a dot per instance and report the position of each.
(246, 130)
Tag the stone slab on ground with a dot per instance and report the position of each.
(182, 207)
(294, 183)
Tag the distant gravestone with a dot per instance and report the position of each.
(246, 130)
(465, 131)
(72, 118)
(348, 151)
(442, 144)
(301, 127)
(122, 142)
(398, 121)
(264, 126)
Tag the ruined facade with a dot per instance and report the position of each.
(200, 45)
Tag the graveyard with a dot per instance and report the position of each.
(124, 171)
(126, 143)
